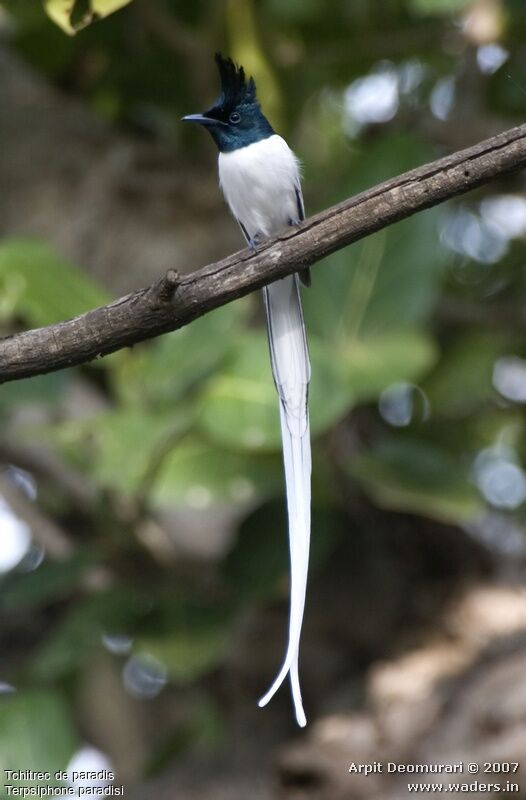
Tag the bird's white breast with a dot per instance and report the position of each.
(259, 182)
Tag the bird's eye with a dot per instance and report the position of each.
(234, 117)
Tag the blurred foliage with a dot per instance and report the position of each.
(73, 15)
(404, 396)
(39, 286)
(25, 725)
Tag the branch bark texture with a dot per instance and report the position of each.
(175, 301)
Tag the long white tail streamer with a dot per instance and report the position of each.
(291, 371)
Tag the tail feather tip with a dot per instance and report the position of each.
(301, 719)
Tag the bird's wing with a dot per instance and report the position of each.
(243, 230)
(299, 201)
(305, 277)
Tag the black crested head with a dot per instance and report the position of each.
(235, 89)
(235, 120)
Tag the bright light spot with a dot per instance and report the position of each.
(23, 480)
(410, 75)
(503, 484)
(32, 559)
(199, 497)
(118, 644)
(499, 478)
(144, 676)
(483, 22)
(397, 404)
(6, 688)
(372, 99)
(89, 759)
(491, 57)
(509, 378)
(15, 538)
(241, 489)
(499, 533)
(467, 234)
(507, 212)
(442, 98)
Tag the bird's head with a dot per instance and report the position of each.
(235, 120)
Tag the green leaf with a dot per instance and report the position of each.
(246, 47)
(439, 7)
(258, 565)
(294, 11)
(160, 373)
(52, 581)
(240, 408)
(129, 442)
(27, 12)
(462, 380)
(37, 284)
(77, 636)
(392, 154)
(73, 15)
(42, 389)
(411, 476)
(389, 281)
(386, 284)
(36, 733)
(375, 362)
(198, 475)
(332, 392)
(195, 645)
(409, 277)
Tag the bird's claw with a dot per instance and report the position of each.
(253, 243)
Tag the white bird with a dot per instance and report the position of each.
(260, 178)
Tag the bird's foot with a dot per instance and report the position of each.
(295, 223)
(253, 243)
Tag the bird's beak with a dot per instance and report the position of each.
(202, 119)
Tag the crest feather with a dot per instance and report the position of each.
(235, 89)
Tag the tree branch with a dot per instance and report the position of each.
(175, 301)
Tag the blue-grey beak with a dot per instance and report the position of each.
(201, 119)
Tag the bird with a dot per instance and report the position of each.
(260, 179)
